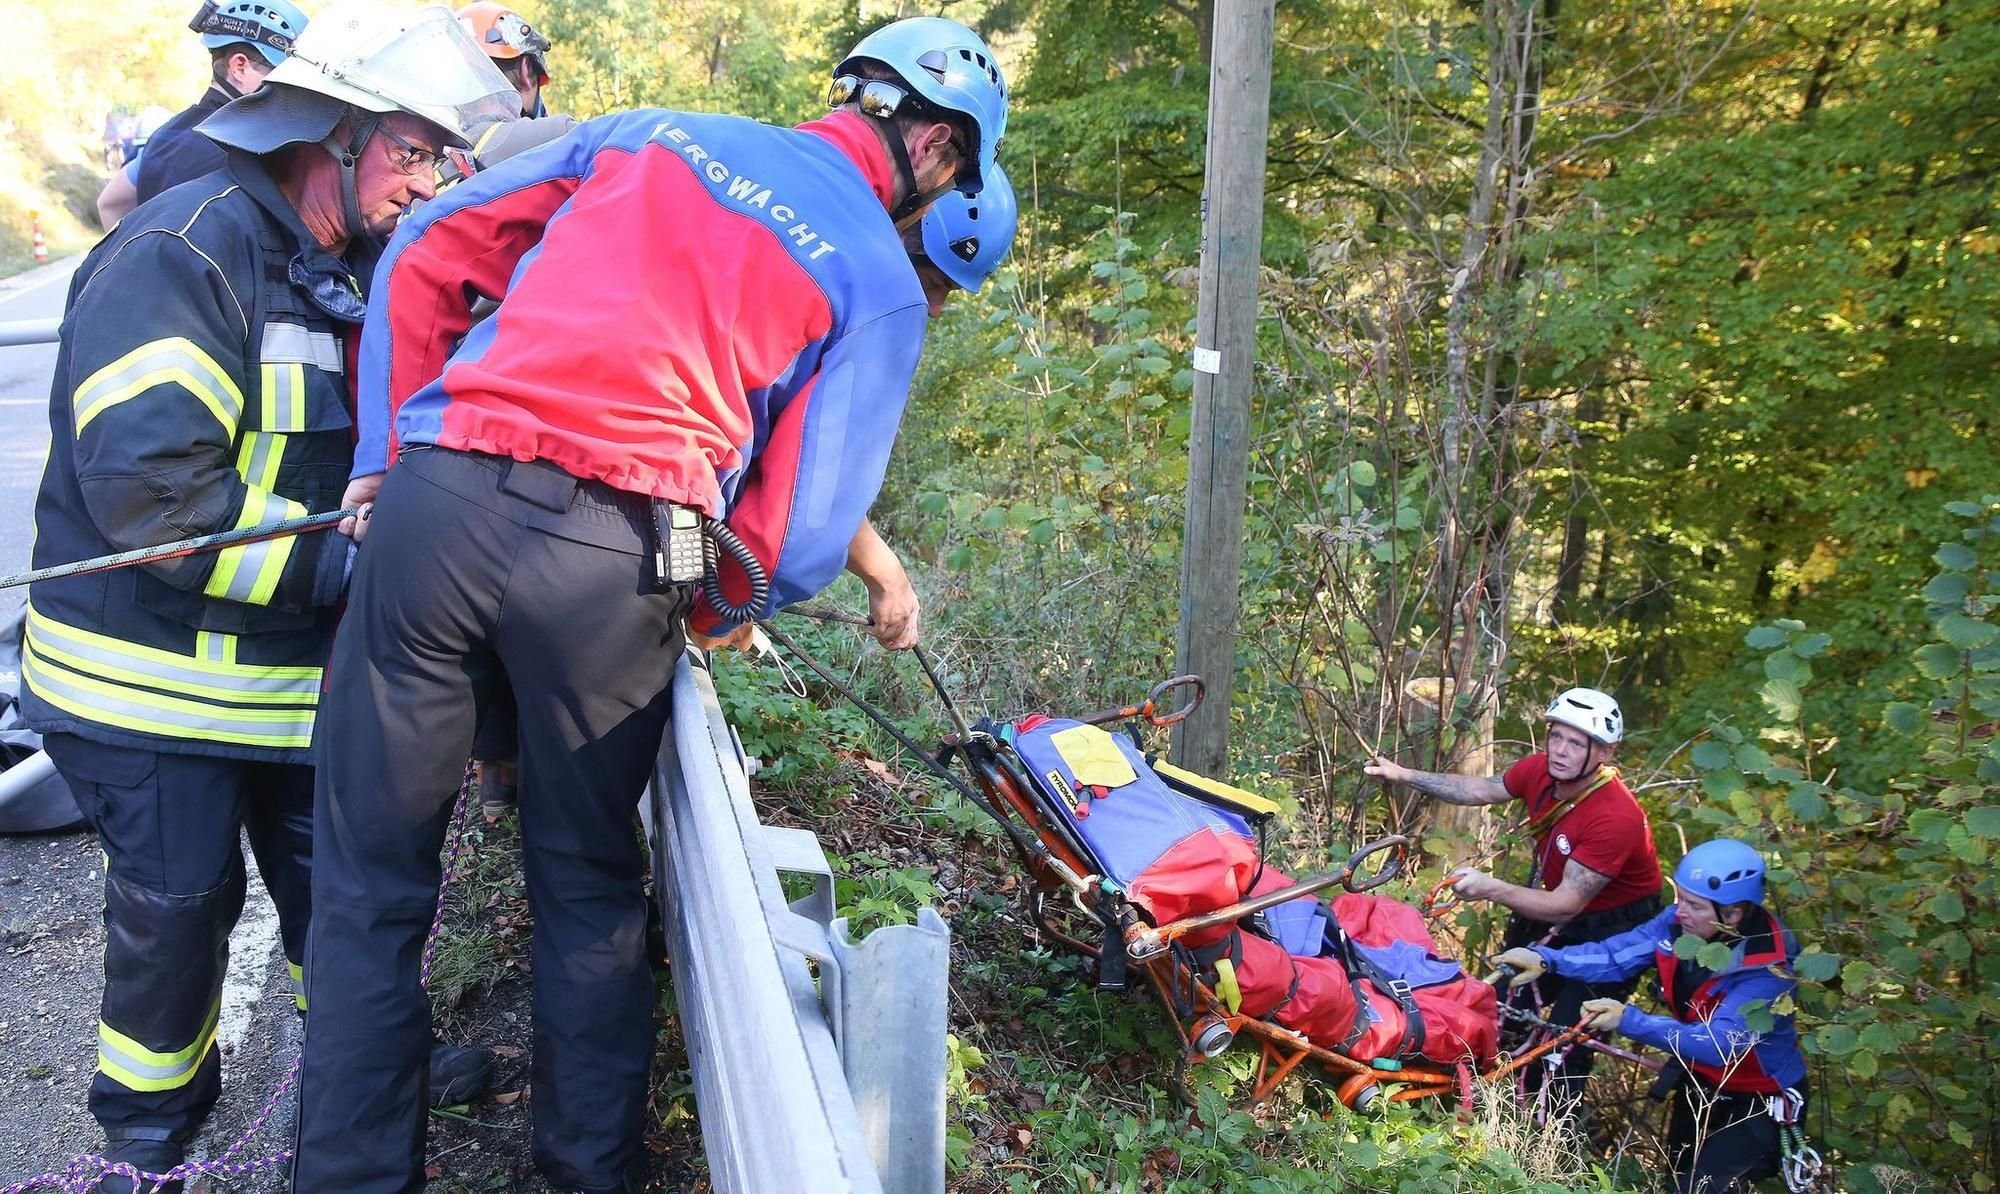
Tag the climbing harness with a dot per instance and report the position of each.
(86, 1172)
(1802, 1164)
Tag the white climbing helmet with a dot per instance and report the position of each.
(1595, 713)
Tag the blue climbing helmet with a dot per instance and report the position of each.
(1724, 871)
(270, 25)
(950, 67)
(967, 236)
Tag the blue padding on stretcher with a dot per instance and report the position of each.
(1298, 925)
(1410, 962)
(1131, 826)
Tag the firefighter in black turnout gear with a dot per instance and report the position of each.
(201, 387)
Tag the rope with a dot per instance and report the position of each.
(179, 548)
(85, 1173)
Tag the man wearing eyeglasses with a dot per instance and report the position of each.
(696, 314)
(200, 387)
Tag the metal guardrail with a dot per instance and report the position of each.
(837, 1087)
(28, 331)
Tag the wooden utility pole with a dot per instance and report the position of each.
(1239, 107)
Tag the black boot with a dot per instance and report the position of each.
(459, 1073)
(147, 1156)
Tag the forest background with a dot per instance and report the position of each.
(1649, 346)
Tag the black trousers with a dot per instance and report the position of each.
(171, 828)
(1720, 1143)
(471, 564)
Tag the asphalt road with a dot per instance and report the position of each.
(51, 887)
(24, 419)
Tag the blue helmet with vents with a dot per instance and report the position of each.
(950, 68)
(967, 236)
(269, 25)
(1724, 871)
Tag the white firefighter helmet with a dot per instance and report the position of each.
(383, 59)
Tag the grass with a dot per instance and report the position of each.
(59, 182)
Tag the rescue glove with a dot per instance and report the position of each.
(1601, 1016)
(1526, 963)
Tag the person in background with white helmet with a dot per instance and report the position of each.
(245, 40)
(201, 386)
(1595, 870)
(1737, 1085)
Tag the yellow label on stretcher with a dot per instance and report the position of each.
(1093, 757)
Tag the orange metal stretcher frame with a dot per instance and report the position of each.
(1057, 865)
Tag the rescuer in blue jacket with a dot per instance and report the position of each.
(1743, 1081)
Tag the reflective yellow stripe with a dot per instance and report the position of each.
(211, 647)
(240, 679)
(1249, 802)
(153, 713)
(250, 573)
(174, 361)
(257, 459)
(298, 974)
(284, 397)
(131, 1064)
(241, 685)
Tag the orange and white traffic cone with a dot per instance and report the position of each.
(41, 245)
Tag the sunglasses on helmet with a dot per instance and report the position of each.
(882, 99)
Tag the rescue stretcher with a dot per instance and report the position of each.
(1158, 875)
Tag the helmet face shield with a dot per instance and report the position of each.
(386, 60)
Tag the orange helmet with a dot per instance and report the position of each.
(505, 36)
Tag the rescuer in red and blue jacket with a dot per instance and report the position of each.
(1724, 1134)
(694, 311)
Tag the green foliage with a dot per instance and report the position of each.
(1891, 882)
(872, 892)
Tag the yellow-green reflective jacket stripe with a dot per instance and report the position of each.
(296, 344)
(250, 573)
(215, 676)
(258, 458)
(173, 361)
(211, 647)
(298, 974)
(155, 713)
(283, 397)
(130, 1063)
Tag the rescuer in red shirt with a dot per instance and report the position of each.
(1595, 872)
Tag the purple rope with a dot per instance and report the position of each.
(87, 1172)
(453, 844)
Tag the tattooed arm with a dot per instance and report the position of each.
(1452, 789)
(1579, 886)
